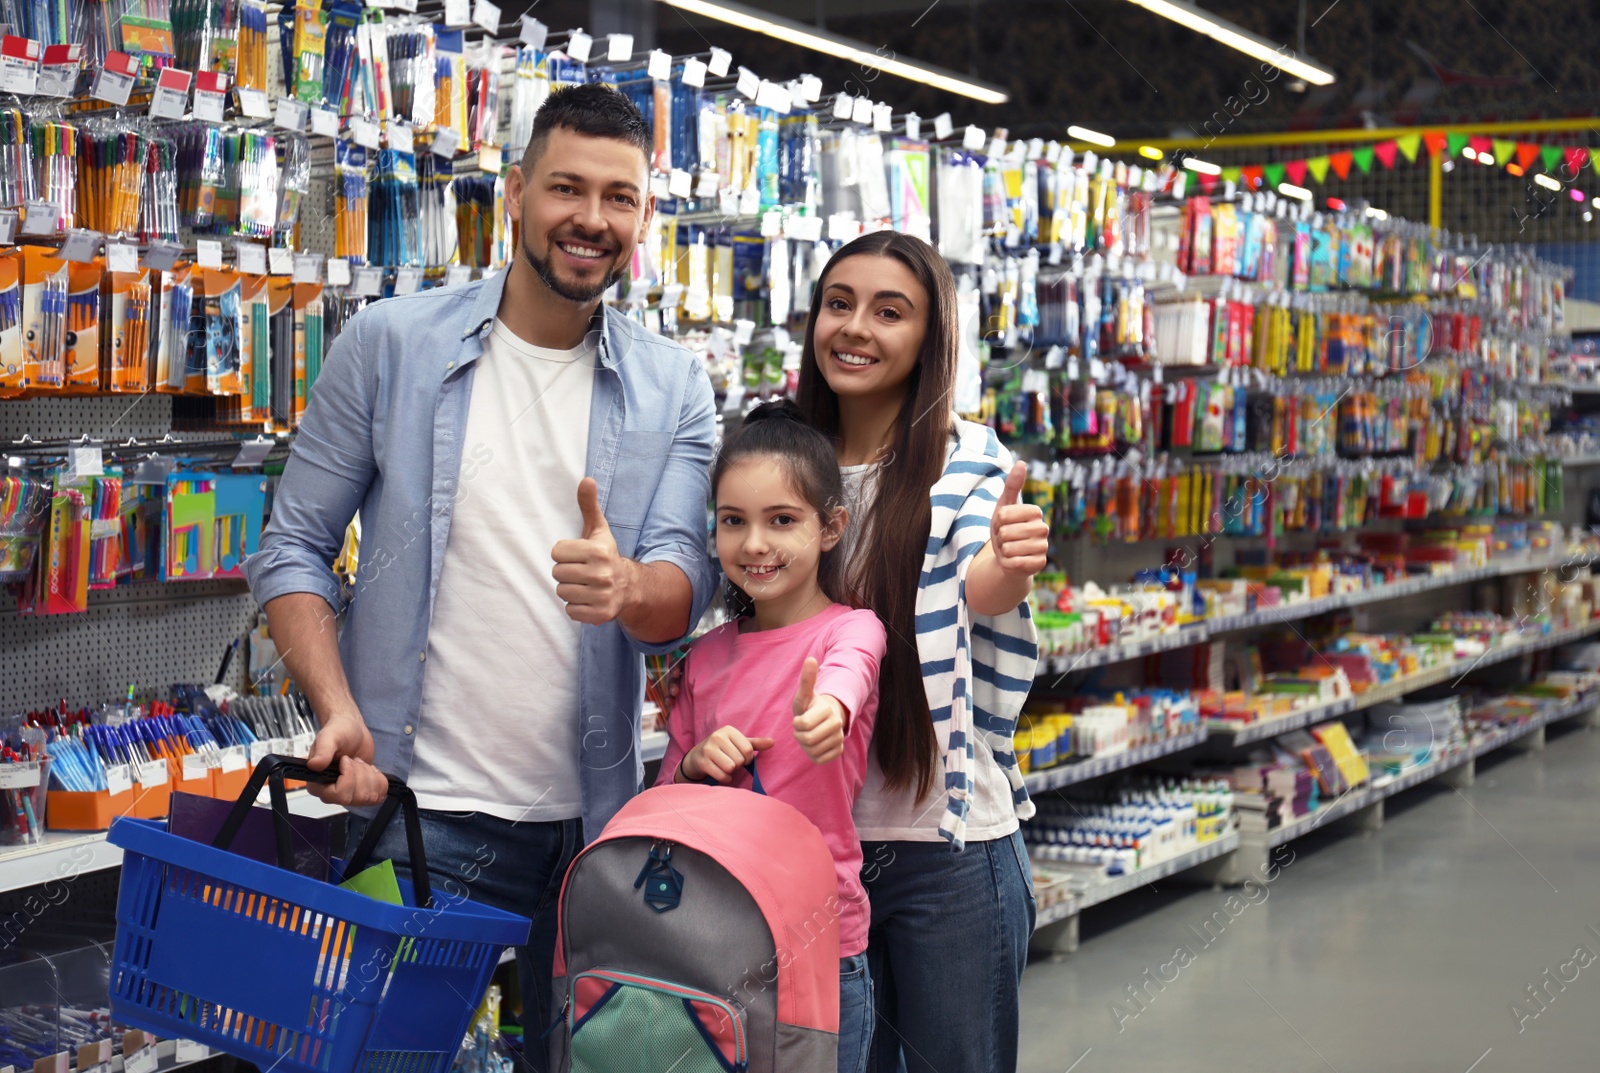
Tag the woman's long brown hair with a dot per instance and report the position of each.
(888, 563)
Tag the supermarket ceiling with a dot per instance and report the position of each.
(1117, 67)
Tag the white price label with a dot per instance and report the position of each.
(533, 32)
(660, 66)
(457, 13)
(719, 62)
(771, 223)
(811, 88)
(882, 118)
(364, 132)
(40, 217)
(368, 282)
(748, 83)
(694, 72)
(619, 48)
(8, 227)
(88, 462)
(253, 103)
(487, 15)
(456, 275)
(997, 147)
(743, 331)
(842, 106)
(913, 126)
(252, 258)
(19, 65)
(281, 747)
(339, 272)
(399, 136)
(707, 183)
(190, 1051)
(749, 201)
(81, 245)
(119, 780)
(942, 125)
(19, 776)
(59, 75)
(234, 758)
(861, 110)
(153, 773)
(578, 46)
(324, 123)
(194, 767)
(161, 256)
(446, 143)
(300, 744)
(280, 262)
(680, 183)
(208, 107)
(141, 1061)
(208, 252)
(973, 139)
(407, 280)
(291, 114)
(842, 227)
(171, 98)
(259, 751)
(308, 268)
(114, 81)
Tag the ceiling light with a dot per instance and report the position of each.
(1237, 37)
(1336, 204)
(1470, 153)
(1515, 169)
(1597, 202)
(1577, 195)
(1094, 137)
(1448, 165)
(1291, 190)
(1547, 182)
(1377, 214)
(1202, 166)
(1587, 216)
(1149, 152)
(1486, 158)
(798, 33)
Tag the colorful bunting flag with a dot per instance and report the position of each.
(1208, 183)
(1409, 145)
(1297, 171)
(1230, 175)
(1503, 152)
(1456, 143)
(1318, 167)
(1252, 177)
(1527, 153)
(1340, 163)
(1385, 152)
(1551, 155)
(1577, 159)
(1273, 174)
(1436, 140)
(1363, 159)
(1479, 144)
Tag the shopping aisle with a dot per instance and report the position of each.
(1400, 951)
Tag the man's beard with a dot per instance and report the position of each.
(566, 290)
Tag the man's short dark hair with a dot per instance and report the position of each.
(593, 108)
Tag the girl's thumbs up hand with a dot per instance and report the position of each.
(819, 721)
(1018, 532)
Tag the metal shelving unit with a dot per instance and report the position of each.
(1054, 778)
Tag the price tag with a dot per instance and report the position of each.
(161, 256)
(19, 65)
(252, 258)
(811, 88)
(368, 282)
(619, 47)
(259, 751)
(749, 201)
(671, 295)
(188, 1050)
(308, 268)
(706, 185)
(694, 72)
(407, 280)
(743, 331)
(59, 75)
(114, 81)
(253, 453)
(144, 1059)
(339, 272)
(578, 45)
(210, 95)
(748, 84)
(719, 62)
(457, 13)
(842, 106)
(660, 66)
(171, 97)
(280, 746)
(87, 462)
(253, 103)
(81, 245)
(456, 275)
(533, 32)
(194, 767)
(680, 183)
(973, 139)
(291, 114)
(804, 228)
(233, 759)
(771, 223)
(153, 773)
(40, 217)
(399, 136)
(280, 262)
(997, 147)
(365, 133)
(842, 227)
(8, 227)
(19, 776)
(487, 15)
(942, 126)
(882, 118)
(119, 780)
(861, 110)
(489, 159)
(324, 123)
(446, 143)
(913, 126)
(300, 744)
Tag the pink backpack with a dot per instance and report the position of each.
(699, 933)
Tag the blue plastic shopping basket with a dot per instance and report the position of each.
(293, 974)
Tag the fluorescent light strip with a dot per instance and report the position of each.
(796, 33)
(1291, 190)
(1545, 181)
(1203, 167)
(1093, 137)
(1150, 152)
(1237, 37)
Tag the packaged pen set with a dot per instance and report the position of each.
(240, 182)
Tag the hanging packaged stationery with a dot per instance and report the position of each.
(474, 201)
(307, 303)
(340, 56)
(530, 86)
(106, 553)
(224, 328)
(436, 210)
(294, 180)
(60, 581)
(254, 341)
(1224, 240)
(412, 73)
(188, 535)
(310, 50)
(175, 298)
(350, 201)
(127, 313)
(200, 167)
(960, 207)
(258, 184)
(253, 53)
(207, 34)
(483, 91)
(394, 237)
(24, 513)
(280, 334)
(239, 502)
(12, 328)
(450, 86)
(1194, 239)
(55, 156)
(44, 318)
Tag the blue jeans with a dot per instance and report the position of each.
(517, 867)
(855, 1013)
(948, 944)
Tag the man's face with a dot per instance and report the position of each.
(583, 209)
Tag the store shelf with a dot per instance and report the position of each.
(1123, 884)
(1399, 590)
(1067, 774)
(1553, 713)
(1581, 460)
(1271, 728)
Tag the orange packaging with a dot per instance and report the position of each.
(92, 811)
(83, 325)
(224, 334)
(175, 325)
(126, 341)
(10, 324)
(45, 286)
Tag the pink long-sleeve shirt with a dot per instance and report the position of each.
(748, 681)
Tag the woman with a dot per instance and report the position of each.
(945, 554)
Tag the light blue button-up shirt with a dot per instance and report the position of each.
(383, 435)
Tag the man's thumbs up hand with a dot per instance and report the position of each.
(591, 577)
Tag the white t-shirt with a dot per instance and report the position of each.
(882, 816)
(498, 731)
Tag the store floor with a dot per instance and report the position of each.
(1400, 951)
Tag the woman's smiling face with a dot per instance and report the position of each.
(869, 329)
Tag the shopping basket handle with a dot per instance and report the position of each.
(271, 772)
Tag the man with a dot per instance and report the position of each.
(531, 469)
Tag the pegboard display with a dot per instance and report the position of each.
(150, 636)
(111, 418)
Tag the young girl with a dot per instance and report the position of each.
(945, 554)
(794, 679)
